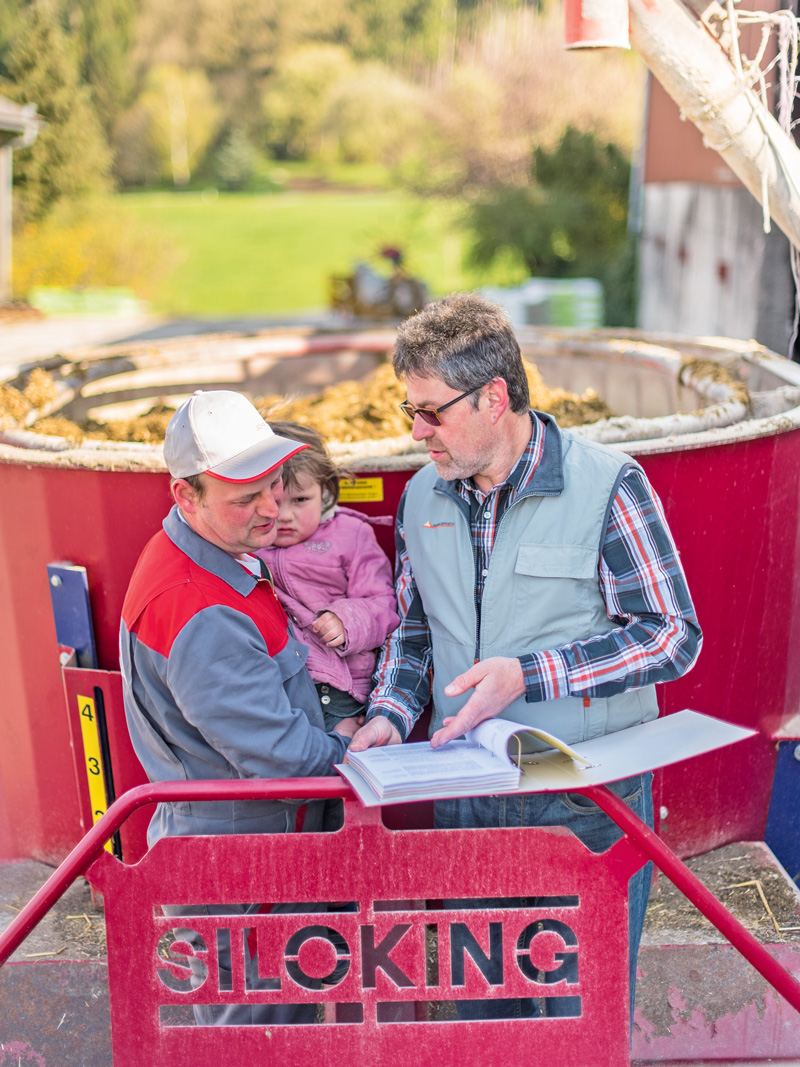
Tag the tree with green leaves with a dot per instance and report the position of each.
(180, 119)
(10, 15)
(102, 34)
(373, 116)
(569, 221)
(70, 157)
(296, 100)
(398, 30)
(235, 161)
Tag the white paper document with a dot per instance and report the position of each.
(479, 764)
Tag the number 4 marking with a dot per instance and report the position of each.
(93, 759)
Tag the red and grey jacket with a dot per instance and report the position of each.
(215, 684)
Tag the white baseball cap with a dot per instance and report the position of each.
(220, 433)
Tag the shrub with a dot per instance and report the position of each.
(235, 161)
(570, 221)
(90, 243)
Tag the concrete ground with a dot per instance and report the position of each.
(54, 1007)
(28, 340)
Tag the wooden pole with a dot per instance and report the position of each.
(5, 224)
(694, 70)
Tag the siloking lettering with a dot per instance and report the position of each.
(445, 953)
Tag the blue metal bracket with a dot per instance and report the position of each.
(782, 833)
(69, 595)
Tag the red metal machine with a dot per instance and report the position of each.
(702, 493)
(733, 509)
(401, 946)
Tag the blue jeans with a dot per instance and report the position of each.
(336, 704)
(593, 827)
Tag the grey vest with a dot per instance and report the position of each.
(541, 591)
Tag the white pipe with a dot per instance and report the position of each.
(699, 77)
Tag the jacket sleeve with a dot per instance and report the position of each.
(236, 695)
(369, 608)
(657, 638)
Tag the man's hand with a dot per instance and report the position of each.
(497, 683)
(329, 628)
(349, 727)
(377, 732)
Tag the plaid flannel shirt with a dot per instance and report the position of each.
(642, 582)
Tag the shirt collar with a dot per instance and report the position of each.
(521, 474)
(252, 564)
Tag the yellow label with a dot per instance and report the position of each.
(93, 759)
(361, 490)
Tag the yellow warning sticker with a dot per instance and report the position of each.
(361, 490)
(93, 759)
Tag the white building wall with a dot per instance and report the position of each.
(707, 268)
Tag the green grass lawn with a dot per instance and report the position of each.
(246, 253)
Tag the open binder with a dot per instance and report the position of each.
(480, 765)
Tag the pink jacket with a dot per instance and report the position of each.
(341, 568)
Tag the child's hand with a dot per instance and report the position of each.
(329, 628)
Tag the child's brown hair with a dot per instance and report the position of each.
(313, 462)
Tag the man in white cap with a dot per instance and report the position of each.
(215, 683)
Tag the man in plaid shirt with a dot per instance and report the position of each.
(536, 579)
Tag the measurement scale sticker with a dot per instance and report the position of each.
(93, 759)
(361, 490)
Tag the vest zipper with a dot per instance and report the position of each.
(460, 507)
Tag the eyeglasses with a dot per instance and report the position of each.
(431, 415)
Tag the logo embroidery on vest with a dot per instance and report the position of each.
(435, 525)
(316, 546)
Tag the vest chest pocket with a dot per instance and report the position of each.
(554, 594)
(578, 562)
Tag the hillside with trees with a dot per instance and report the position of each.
(446, 98)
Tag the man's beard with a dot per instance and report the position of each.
(463, 467)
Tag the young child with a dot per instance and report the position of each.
(331, 576)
